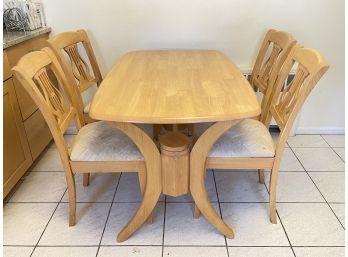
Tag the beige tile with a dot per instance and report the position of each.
(319, 159)
(295, 187)
(91, 218)
(41, 187)
(65, 251)
(338, 209)
(289, 162)
(148, 234)
(330, 184)
(240, 186)
(340, 151)
(136, 251)
(182, 229)
(49, 161)
(102, 188)
(319, 251)
(307, 141)
(17, 251)
(219, 251)
(311, 224)
(25, 222)
(209, 186)
(261, 251)
(334, 140)
(128, 189)
(252, 226)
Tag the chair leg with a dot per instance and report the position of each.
(272, 195)
(142, 182)
(70, 179)
(86, 179)
(261, 176)
(196, 212)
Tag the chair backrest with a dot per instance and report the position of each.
(288, 99)
(272, 54)
(37, 72)
(78, 69)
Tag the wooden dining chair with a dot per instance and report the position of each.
(249, 145)
(274, 49)
(67, 47)
(98, 147)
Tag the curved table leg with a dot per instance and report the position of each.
(198, 157)
(153, 186)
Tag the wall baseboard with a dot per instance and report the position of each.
(320, 130)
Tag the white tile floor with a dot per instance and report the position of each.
(310, 211)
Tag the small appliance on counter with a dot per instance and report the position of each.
(23, 15)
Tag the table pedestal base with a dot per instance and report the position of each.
(175, 158)
(196, 171)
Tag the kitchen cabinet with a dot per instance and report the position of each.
(26, 133)
(17, 156)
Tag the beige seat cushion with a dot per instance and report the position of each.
(249, 138)
(99, 141)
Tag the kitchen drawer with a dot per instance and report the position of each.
(38, 133)
(17, 157)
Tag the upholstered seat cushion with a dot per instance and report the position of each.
(98, 141)
(249, 138)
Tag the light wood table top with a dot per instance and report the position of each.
(174, 86)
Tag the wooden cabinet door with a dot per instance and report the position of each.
(17, 157)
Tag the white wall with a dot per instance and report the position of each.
(234, 27)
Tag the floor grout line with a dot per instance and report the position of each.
(332, 147)
(280, 220)
(107, 218)
(178, 246)
(318, 190)
(48, 171)
(217, 195)
(181, 202)
(338, 155)
(306, 147)
(49, 220)
(164, 223)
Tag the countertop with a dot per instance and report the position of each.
(13, 38)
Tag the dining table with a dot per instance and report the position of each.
(175, 86)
